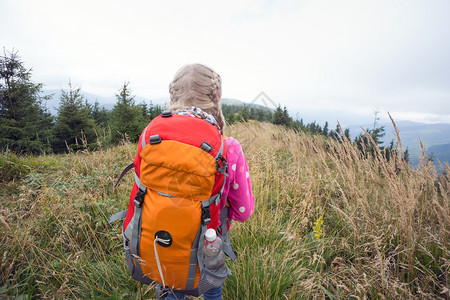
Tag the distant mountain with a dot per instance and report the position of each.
(435, 138)
(229, 101)
(441, 152)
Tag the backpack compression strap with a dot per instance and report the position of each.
(134, 227)
(117, 216)
(121, 214)
(125, 171)
(227, 249)
(136, 230)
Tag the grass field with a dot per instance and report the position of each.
(328, 224)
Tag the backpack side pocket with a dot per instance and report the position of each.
(212, 278)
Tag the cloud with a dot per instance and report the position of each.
(349, 55)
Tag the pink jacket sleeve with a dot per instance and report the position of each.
(238, 189)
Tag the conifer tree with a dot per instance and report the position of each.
(149, 112)
(145, 110)
(74, 128)
(260, 115)
(244, 114)
(287, 120)
(278, 117)
(406, 156)
(100, 115)
(347, 133)
(325, 129)
(363, 142)
(229, 113)
(25, 124)
(301, 125)
(336, 133)
(153, 111)
(126, 117)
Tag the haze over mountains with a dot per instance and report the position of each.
(435, 137)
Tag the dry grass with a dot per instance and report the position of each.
(385, 231)
(385, 225)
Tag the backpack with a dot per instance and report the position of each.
(180, 171)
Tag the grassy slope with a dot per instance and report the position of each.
(327, 224)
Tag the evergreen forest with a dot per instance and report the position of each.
(27, 127)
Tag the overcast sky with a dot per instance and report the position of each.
(321, 58)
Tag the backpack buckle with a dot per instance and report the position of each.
(154, 139)
(139, 199)
(206, 215)
(222, 169)
(206, 147)
(166, 114)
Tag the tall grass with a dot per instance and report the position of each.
(56, 241)
(328, 223)
(385, 231)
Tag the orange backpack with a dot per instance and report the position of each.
(180, 171)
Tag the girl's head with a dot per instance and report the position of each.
(197, 85)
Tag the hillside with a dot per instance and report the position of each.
(327, 224)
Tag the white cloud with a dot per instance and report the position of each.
(339, 55)
(420, 117)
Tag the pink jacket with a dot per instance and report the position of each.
(238, 189)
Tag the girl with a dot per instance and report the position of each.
(196, 91)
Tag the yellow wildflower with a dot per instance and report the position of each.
(318, 227)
